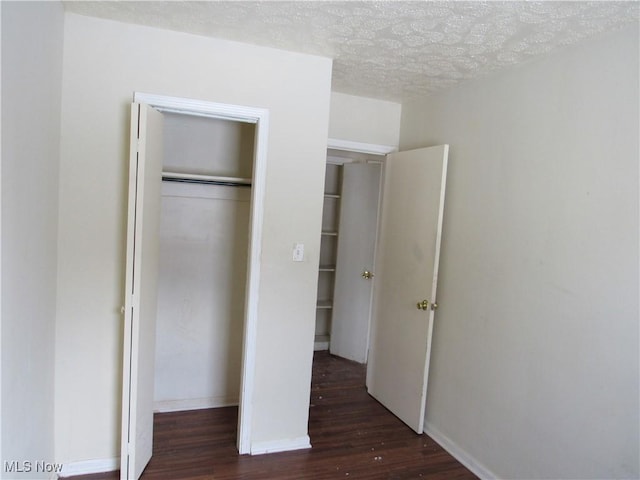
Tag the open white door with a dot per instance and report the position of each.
(145, 178)
(406, 279)
(356, 249)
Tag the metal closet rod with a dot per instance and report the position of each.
(206, 179)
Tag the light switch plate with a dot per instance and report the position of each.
(298, 252)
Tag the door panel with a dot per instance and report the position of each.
(356, 248)
(145, 177)
(406, 273)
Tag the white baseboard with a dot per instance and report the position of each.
(288, 445)
(165, 406)
(458, 453)
(87, 467)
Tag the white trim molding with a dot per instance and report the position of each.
(458, 453)
(300, 443)
(189, 106)
(87, 467)
(165, 406)
(259, 117)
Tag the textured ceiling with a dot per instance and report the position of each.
(394, 50)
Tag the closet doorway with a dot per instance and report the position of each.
(398, 346)
(347, 254)
(196, 195)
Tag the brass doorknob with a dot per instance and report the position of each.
(367, 274)
(423, 305)
(434, 306)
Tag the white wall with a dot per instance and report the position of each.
(534, 371)
(364, 120)
(208, 146)
(204, 233)
(104, 62)
(32, 36)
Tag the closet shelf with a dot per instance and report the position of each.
(327, 268)
(324, 304)
(330, 233)
(331, 195)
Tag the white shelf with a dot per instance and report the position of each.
(330, 233)
(332, 195)
(327, 268)
(325, 304)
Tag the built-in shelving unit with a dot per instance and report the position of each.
(328, 253)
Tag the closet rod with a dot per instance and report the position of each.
(207, 179)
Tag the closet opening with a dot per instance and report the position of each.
(197, 178)
(204, 244)
(213, 188)
(347, 252)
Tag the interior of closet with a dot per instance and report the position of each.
(351, 194)
(328, 254)
(204, 235)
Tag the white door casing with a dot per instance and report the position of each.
(145, 177)
(407, 259)
(144, 209)
(356, 248)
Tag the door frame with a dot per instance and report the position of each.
(259, 117)
(369, 149)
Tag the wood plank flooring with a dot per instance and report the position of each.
(353, 437)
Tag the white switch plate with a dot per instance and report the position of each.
(298, 252)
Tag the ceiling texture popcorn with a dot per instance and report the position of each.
(393, 50)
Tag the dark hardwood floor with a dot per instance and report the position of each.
(352, 435)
